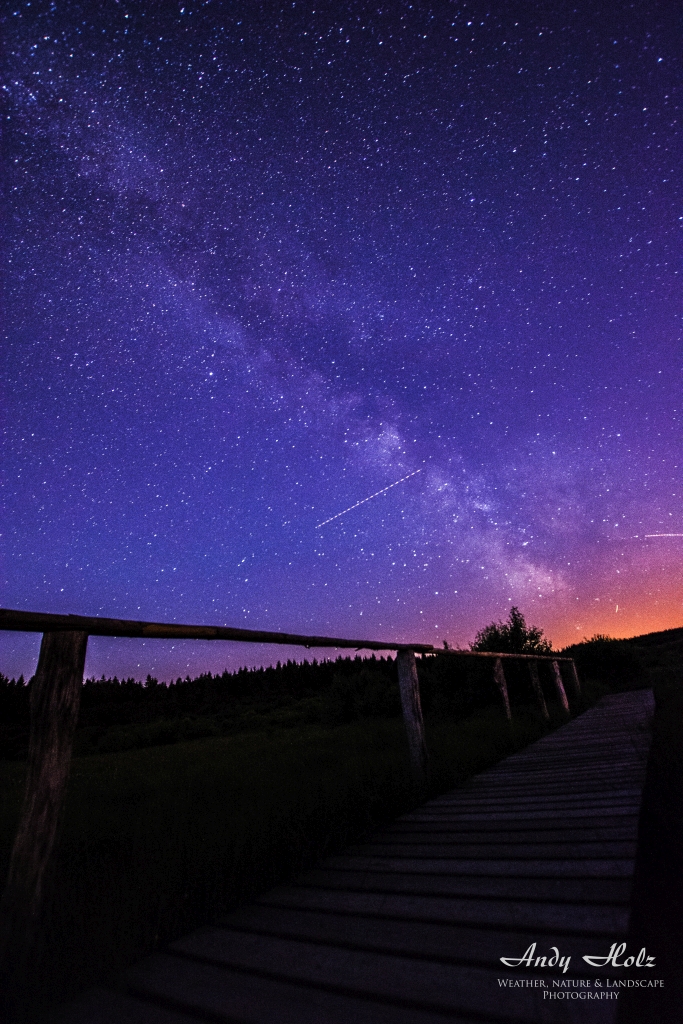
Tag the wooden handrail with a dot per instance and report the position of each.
(93, 625)
(43, 622)
(499, 654)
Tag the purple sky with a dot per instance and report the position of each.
(264, 260)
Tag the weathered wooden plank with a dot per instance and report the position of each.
(629, 785)
(424, 983)
(565, 918)
(615, 891)
(457, 840)
(596, 755)
(526, 808)
(611, 828)
(221, 994)
(434, 938)
(559, 772)
(529, 811)
(523, 800)
(553, 744)
(599, 811)
(540, 828)
(523, 805)
(540, 867)
(101, 1006)
(574, 754)
(528, 850)
(575, 765)
(319, 948)
(553, 769)
(578, 787)
(592, 753)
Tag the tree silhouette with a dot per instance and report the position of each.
(512, 637)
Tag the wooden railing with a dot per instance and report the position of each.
(55, 699)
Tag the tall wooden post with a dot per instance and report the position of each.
(536, 685)
(499, 678)
(55, 697)
(557, 677)
(412, 712)
(574, 677)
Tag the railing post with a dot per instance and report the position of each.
(412, 712)
(538, 692)
(560, 688)
(55, 697)
(574, 677)
(499, 678)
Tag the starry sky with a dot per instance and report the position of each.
(264, 260)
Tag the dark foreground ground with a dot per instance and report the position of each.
(162, 833)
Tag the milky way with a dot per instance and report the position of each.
(263, 259)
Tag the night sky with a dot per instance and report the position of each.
(264, 260)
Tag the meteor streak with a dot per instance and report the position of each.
(664, 534)
(363, 500)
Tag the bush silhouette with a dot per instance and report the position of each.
(512, 637)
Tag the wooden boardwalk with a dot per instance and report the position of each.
(409, 927)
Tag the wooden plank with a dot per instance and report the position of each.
(590, 750)
(343, 958)
(101, 1006)
(547, 767)
(556, 772)
(529, 849)
(515, 798)
(414, 831)
(421, 937)
(600, 811)
(574, 783)
(615, 891)
(607, 828)
(523, 800)
(569, 868)
(567, 743)
(566, 918)
(631, 775)
(527, 808)
(581, 786)
(218, 993)
(423, 983)
(529, 814)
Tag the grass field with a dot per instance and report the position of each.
(157, 841)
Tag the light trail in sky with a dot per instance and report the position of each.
(369, 498)
(664, 535)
